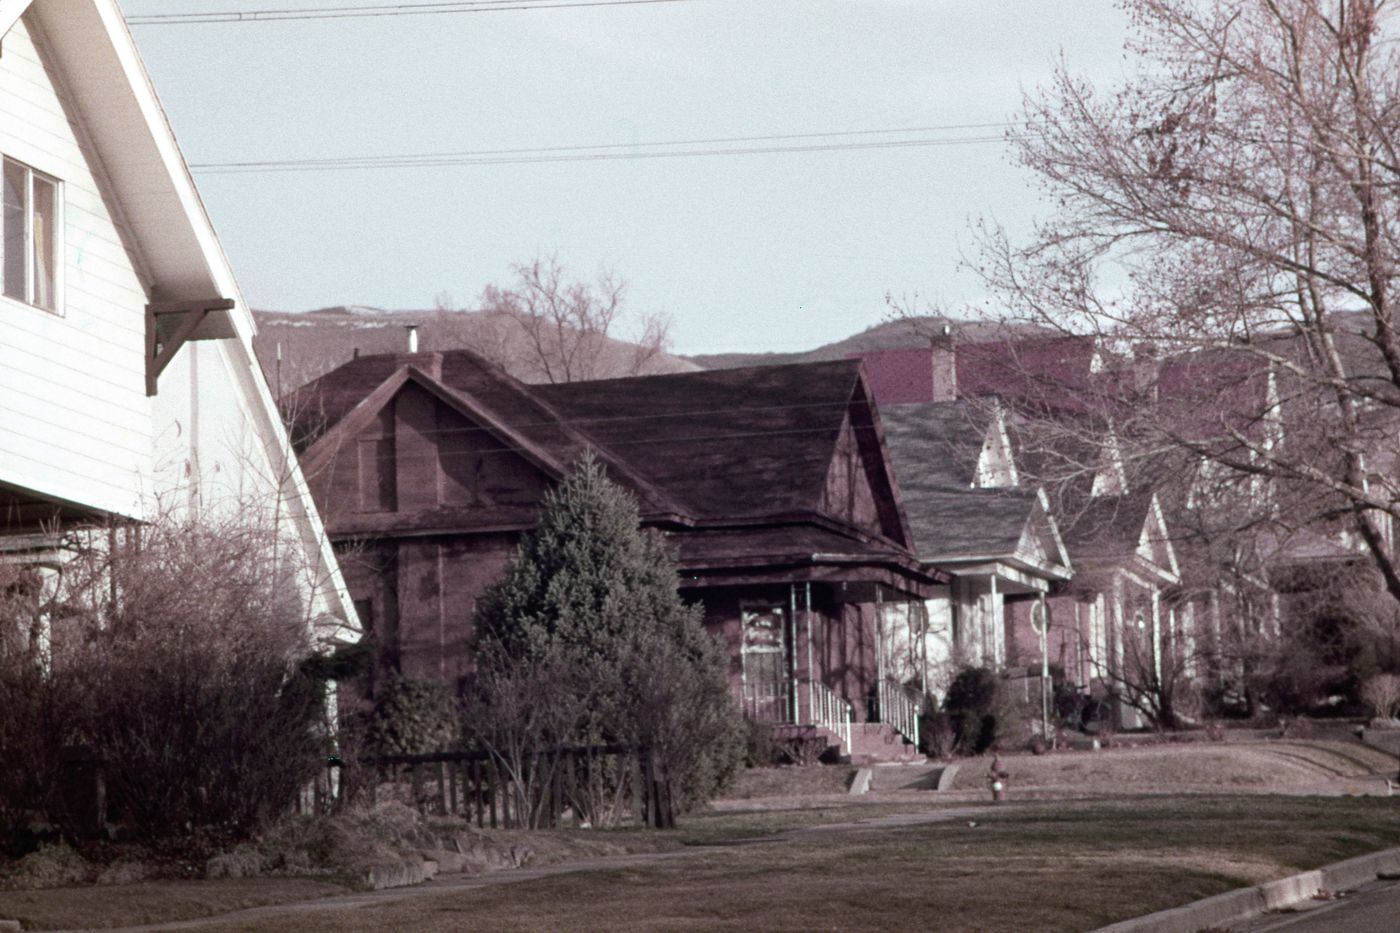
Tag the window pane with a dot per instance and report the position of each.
(45, 258)
(12, 246)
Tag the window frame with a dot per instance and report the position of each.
(31, 277)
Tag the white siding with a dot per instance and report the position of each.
(74, 420)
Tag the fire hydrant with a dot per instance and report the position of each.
(996, 779)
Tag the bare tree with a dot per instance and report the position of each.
(568, 324)
(1235, 206)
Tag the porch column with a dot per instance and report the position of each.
(994, 643)
(794, 701)
(1157, 635)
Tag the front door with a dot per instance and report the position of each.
(765, 655)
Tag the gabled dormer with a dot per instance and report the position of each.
(1041, 545)
(1154, 546)
(1110, 475)
(996, 464)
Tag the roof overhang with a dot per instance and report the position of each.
(10, 12)
(1016, 574)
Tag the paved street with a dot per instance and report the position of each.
(1374, 908)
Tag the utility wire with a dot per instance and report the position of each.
(707, 141)
(435, 160)
(358, 12)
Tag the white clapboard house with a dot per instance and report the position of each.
(128, 386)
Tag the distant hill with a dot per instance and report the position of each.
(901, 332)
(312, 343)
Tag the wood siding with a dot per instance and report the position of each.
(74, 421)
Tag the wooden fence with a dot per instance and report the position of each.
(473, 785)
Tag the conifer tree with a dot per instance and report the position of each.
(589, 592)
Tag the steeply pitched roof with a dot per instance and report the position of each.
(1118, 529)
(327, 411)
(965, 523)
(717, 446)
(111, 105)
(939, 443)
(935, 448)
(726, 442)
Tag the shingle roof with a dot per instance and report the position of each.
(1108, 528)
(964, 523)
(723, 442)
(719, 446)
(939, 443)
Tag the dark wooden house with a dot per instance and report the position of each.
(772, 485)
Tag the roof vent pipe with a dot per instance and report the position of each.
(412, 337)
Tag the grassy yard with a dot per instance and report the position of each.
(1088, 838)
(1066, 865)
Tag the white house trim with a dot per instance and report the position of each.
(170, 252)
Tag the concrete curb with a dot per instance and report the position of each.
(945, 777)
(1233, 906)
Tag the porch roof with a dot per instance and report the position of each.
(796, 553)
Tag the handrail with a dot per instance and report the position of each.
(830, 712)
(899, 709)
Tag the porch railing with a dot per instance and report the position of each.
(830, 712)
(900, 709)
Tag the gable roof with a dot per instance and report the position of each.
(948, 443)
(329, 411)
(712, 446)
(731, 442)
(935, 449)
(1122, 530)
(128, 144)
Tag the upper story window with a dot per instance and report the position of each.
(29, 246)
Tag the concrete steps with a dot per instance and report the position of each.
(917, 775)
(876, 742)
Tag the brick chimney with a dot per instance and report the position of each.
(943, 359)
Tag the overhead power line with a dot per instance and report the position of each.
(359, 12)
(665, 149)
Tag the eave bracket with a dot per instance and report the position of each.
(168, 325)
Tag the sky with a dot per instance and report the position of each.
(759, 251)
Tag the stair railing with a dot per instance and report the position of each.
(831, 712)
(899, 709)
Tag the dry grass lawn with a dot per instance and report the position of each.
(1280, 766)
(1115, 834)
(1065, 865)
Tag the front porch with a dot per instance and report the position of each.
(815, 659)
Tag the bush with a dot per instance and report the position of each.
(938, 737)
(412, 717)
(760, 748)
(181, 685)
(972, 703)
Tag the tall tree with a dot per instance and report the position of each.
(591, 600)
(1235, 207)
(566, 323)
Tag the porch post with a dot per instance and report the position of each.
(811, 667)
(993, 643)
(1157, 636)
(879, 636)
(791, 659)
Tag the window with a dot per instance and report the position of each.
(29, 246)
